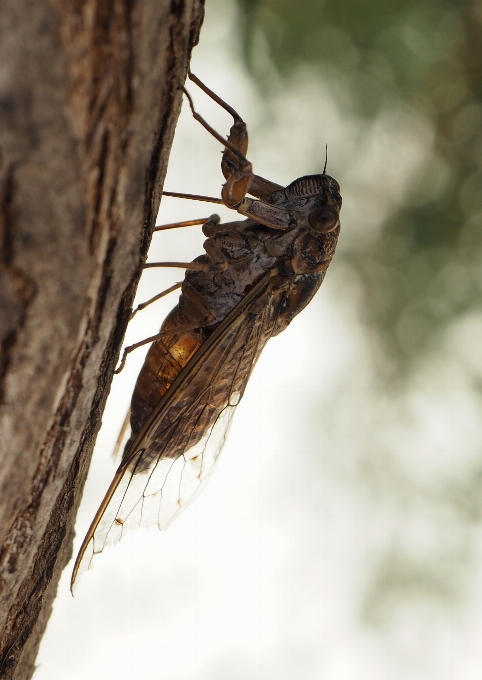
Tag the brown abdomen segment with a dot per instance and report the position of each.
(164, 361)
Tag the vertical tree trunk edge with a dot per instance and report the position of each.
(88, 108)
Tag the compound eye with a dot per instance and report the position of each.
(324, 219)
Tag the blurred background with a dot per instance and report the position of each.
(341, 535)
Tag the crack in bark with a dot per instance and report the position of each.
(16, 288)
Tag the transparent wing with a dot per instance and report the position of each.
(176, 450)
(124, 434)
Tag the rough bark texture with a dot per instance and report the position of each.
(89, 98)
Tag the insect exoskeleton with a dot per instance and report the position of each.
(256, 275)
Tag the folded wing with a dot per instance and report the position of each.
(176, 450)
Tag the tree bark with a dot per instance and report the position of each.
(89, 99)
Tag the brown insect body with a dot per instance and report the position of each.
(255, 277)
(301, 256)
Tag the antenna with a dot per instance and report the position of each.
(326, 158)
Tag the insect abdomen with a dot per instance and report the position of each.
(164, 361)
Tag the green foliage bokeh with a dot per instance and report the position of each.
(425, 54)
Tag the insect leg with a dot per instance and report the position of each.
(239, 180)
(193, 197)
(215, 219)
(209, 224)
(196, 266)
(261, 187)
(238, 136)
(200, 314)
(240, 157)
(143, 305)
(217, 257)
(180, 329)
(215, 97)
(175, 225)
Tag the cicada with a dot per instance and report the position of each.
(256, 275)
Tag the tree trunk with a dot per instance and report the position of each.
(89, 99)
